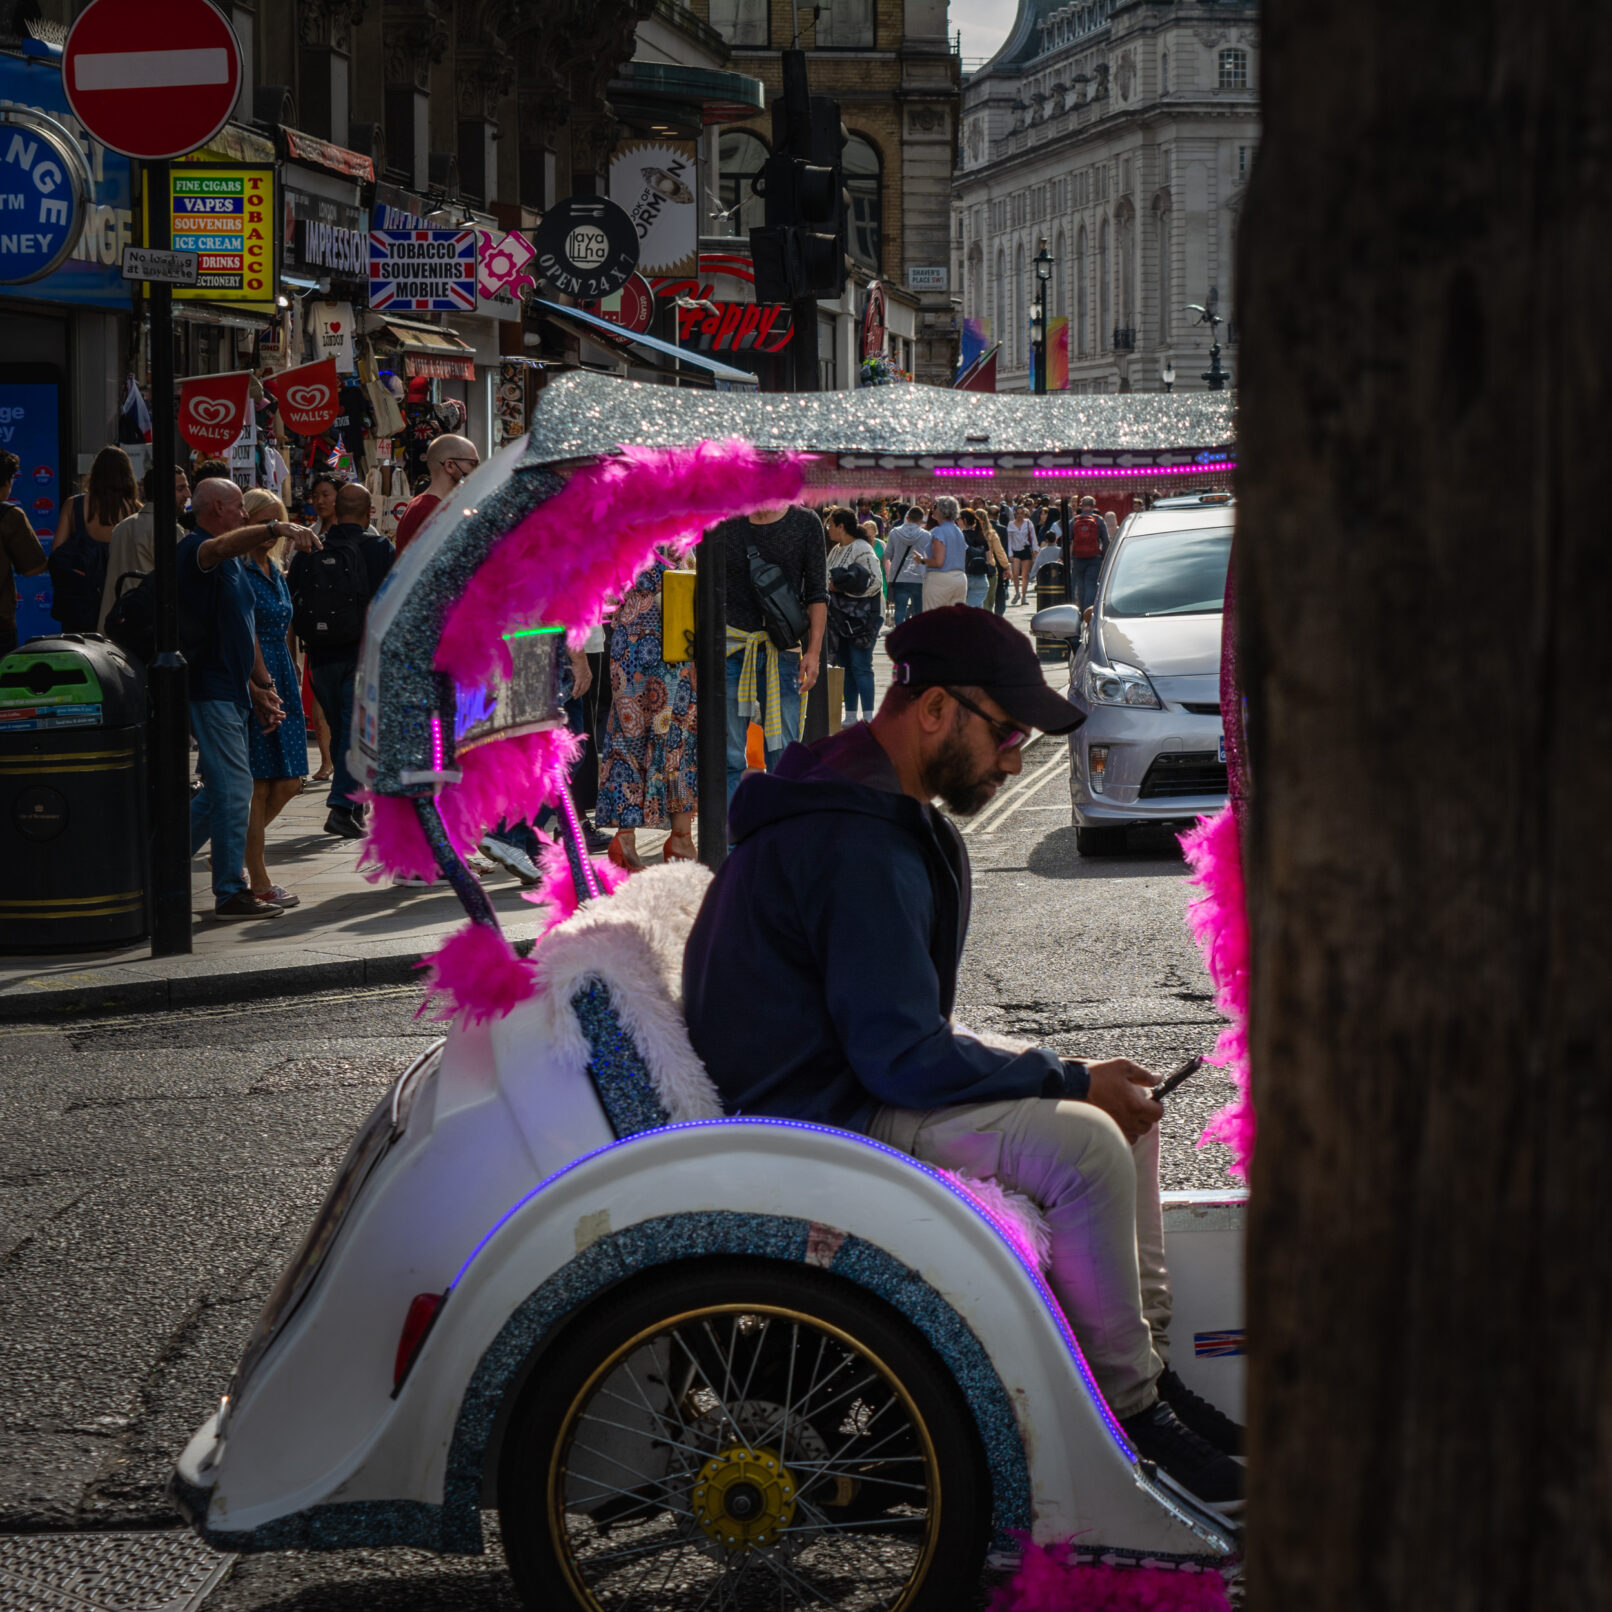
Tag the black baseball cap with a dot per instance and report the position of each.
(964, 646)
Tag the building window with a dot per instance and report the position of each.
(1162, 233)
(740, 156)
(1082, 293)
(1234, 69)
(1021, 309)
(1105, 291)
(1245, 155)
(1164, 73)
(999, 323)
(860, 163)
(845, 25)
(1060, 277)
(741, 22)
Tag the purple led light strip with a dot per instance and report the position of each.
(1116, 1432)
(574, 827)
(1098, 472)
(436, 744)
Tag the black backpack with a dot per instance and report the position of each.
(332, 594)
(131, 623)
(77, 575)
(781, 608)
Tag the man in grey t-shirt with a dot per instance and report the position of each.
(904, 564)
(759, 673)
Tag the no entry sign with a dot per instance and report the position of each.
(152, 79)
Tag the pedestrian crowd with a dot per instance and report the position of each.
(272, 613)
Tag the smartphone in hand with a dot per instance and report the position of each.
(1174, 1079)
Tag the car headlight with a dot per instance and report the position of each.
(1120, 684)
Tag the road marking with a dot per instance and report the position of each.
(1017, 794)
(150, 69)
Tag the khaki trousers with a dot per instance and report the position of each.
(1101, 1200)
(945, 588)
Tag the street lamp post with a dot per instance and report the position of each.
(1167, 375)
(1214, 377)
(1043, 273)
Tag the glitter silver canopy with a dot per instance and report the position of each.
(582, 414)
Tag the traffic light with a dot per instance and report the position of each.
(800, 249)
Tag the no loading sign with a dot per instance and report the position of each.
(586, 246)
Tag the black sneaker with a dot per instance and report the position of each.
(1160, 1436)
(345, 822)
(1206, 1420)
(243, 904)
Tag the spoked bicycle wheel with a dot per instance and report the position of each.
(739, 1435)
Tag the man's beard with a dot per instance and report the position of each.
(954, 776)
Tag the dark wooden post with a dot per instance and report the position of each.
(1425, 593)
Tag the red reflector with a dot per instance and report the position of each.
(416, 1324)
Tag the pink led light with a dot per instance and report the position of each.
(580, 845)
(1109, 472)
(961, 470)
(436, 744)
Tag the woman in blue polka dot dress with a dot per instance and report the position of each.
(279, 759)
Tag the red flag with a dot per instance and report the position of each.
(212, 411)
(982, 377)
(308, 396)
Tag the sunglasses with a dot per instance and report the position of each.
(1008, 737)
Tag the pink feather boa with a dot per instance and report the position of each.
(1219, 922)
(595, 535)
(507, 779)
(1050, 1580)
(558, 891)
(478, 973)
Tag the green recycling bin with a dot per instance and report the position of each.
(72, 796)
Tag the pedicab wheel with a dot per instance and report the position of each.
(744, 1435)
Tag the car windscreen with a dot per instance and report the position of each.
(1170, 573)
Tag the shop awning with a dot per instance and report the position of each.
(428, 351)
(663, 352)
(325, 154)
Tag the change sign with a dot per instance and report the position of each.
(43, 182)
(423, 270)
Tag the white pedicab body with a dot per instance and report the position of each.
(553, 1280)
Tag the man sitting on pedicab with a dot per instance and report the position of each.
(819, 982)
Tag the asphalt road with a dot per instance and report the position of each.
(157, 1170)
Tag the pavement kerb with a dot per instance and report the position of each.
(154, 985)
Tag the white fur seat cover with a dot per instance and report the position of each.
(631, 942)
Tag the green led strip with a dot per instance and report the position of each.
(531, 632)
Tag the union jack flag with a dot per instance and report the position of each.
(405, 279)
(1217, 1345)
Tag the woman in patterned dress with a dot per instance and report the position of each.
(279, 759)
(647, 768)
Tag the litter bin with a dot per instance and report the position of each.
(1051, 588)
(72, 796)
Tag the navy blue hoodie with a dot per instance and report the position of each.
(820, 975)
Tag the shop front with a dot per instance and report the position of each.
(64, 307)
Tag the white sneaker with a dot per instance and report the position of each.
(513, 858)
(479, 865)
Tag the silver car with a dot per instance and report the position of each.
(1147, 673)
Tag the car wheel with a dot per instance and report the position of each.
(742, 1434)
(1100, 841)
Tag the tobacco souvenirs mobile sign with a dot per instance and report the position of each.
(423, 270)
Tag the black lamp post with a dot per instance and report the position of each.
(1043, 273)
(1214, 377)
(1167, 375)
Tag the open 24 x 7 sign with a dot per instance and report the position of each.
(423, 270)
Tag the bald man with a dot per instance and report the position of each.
(450, 460)
(230, 687)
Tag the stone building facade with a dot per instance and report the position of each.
(893, 69)
(1121, 133)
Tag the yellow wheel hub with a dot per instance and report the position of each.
(744, 1498)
